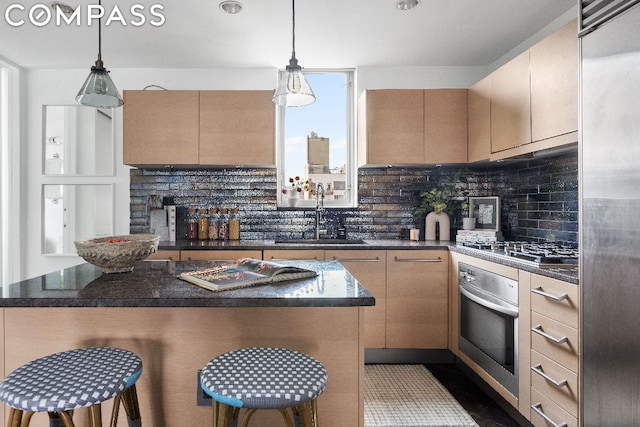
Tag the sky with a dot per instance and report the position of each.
(326, 117)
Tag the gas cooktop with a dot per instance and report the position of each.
(547, 254)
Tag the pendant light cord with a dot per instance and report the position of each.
(293, 28)
(100, 34)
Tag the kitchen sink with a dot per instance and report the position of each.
(322, 241)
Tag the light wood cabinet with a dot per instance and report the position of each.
(165, 255)
(390, 127)
(237, 128)
(479, 120)
(445, 126)
(555, 351)
(511, 104)
(232, 254)
(554, 65)
(370, 269)
(302, 254)
(417, 299)
(412, 126)
(199, 128)
(160, 127)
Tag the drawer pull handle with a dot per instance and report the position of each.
(539, 291)
(376, 259)
(418, 259)
(538, 370)
(293, 259)
(538, 330)
(538, 408)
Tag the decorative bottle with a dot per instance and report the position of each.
(234, 224)
(192, 224)
(203, 225)
(214, 224)
(224, 225)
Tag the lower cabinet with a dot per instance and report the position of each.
(417, 299)
(301, 254)
(193, 255)
(165, 255)
(554, 352)
(370, 269)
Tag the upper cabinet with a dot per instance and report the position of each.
(554, 65)
(199, 128)
(534, 97)
(161, 127)
(412, 126)
(510, 104)
(479, 120)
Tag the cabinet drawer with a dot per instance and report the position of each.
(555, 299)
(293, 254)
(544, 372)
(555, 340)
(553, 412)
(218, 255)
(167, 255)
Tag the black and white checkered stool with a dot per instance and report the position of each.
(62, 382)
(264, 378)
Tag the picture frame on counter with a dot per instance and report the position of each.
(486, 211)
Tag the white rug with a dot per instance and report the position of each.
(409, 395)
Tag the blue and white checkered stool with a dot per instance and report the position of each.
(81, 378)
(264, 378)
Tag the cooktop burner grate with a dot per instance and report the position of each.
(539, 254)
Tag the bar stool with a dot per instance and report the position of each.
(62, 382)
(264, 378)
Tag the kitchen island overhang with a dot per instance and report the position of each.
(176, 327)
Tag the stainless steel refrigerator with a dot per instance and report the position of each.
(610, 221)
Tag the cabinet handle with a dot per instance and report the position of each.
(376, 259)
(418, 259)
(538, 370)
(539, 291)
(537, 407)
(538, 330)
(293, 259)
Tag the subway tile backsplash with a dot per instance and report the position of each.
(539, 199)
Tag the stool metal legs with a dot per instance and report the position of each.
(225, 415)
(129, 399)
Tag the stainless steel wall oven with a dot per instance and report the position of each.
(488, 323)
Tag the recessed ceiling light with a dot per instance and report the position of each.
(232, 7)
(64, 8)
(407, 4)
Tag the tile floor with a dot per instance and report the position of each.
(473, 399)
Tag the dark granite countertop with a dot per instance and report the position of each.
(567, 274)
(154, 284)
(182, 245)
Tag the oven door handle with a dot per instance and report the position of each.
(493, 304)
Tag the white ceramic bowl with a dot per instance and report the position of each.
(117, 254)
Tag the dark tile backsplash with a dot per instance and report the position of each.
(539, 199)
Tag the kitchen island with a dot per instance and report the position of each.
(177, 327)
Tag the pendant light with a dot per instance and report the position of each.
(98, 90)
(293, 89)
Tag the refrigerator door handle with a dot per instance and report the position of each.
(547, 295)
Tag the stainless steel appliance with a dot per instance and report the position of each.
(488, 323)
(610, 216)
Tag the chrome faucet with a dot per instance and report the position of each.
(320, 210)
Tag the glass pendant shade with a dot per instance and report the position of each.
(98, 90)
(293, 89)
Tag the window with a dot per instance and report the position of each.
(316, 142)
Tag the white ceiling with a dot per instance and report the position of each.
(329, 33)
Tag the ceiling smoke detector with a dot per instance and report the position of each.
(64, 8)
(407, 4)
(232, 7)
